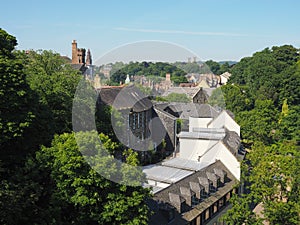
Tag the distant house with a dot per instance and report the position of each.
(203, 83)
(207, 80)
(196, 94)
(224, 77)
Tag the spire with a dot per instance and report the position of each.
(88, 58)
(127, 81)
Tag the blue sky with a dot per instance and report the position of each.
(213, 29)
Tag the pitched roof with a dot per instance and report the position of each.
(80, 67)
(232, 142)
(124, 97)
(186, 110)
(189, 91)
(163, 195)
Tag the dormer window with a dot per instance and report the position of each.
(195, 200)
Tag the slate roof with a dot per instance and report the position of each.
(174, 188)
(124, 97)
(192, 181)
(233, 142)
(209, 91)
(189, 91)
(186, 110)
(79, 67)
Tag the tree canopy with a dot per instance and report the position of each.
(44, 178)
(263, 92)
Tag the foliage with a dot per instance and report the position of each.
(270, 74)
(214, 66)
(55, 184)
(81, 194)
(274, 181)
(55, 83)
(270, 123)
(259, 123)
(158, 69)
(176, 97)
(17, 104)
(240, 213)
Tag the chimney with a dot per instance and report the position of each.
(74, 52)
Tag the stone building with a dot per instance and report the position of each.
(81, 60)
(134, 112)
(198, 95)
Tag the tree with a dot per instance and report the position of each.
(235, 98)
(214, 66)
(274, 181)
(225, 67)
(289, 124)
(82, 195)
(240, 213)
(259, 123)
(55, 84)
(17, 103)
(175, 97)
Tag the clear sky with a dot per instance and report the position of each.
(213, 29)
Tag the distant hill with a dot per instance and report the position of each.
(229, 62)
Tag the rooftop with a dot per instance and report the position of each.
(125, 97)
(186, 110)
(201, 135)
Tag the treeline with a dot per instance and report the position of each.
(44, 178)
(264, 94)
(178, 70)
(158, 69)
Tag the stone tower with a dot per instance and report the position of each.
(78, 54)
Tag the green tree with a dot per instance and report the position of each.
(240, 213)
(82, 195)
(274, 181)
(175, 97)
(17, 104)
(259, 124)
(56, 83)
(214, 66)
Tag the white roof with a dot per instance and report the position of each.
(185, 164)
(165, 174)
(201, 135)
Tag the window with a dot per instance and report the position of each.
(171, 215)
(221, 202)
(133, 121)
(193, 222)
(207, 214)
(215, 209)
(195, 201)
(202, 193)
